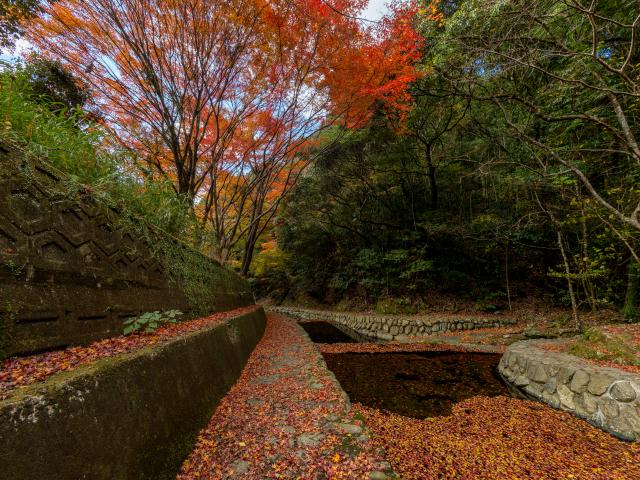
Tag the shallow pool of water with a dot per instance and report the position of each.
(325, 332)
(420, 385)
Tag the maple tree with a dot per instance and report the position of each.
(225, 98)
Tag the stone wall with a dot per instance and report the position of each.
(395, 327)
(606, 397)
(70, 273)
(133, 416)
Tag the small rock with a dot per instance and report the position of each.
(240, 466)
(537, 373)
(609, 408)
(566, 397)
(521, 381)
(565, 374)
(599, 384)
(288, 429)
(378, 476)
(310, 439)
(623, 391)
(254, 402)
(349, 428)
(580, 381)
(590, 403)
(551, 385)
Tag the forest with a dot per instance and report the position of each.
(512, 173)
(480, 150)
(320, 239)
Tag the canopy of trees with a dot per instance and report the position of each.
(515, 171)
(487, 148)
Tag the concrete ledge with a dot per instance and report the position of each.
(133, 416)
(606, 397)
(395, 327)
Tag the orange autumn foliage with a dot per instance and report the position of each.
(224, 99)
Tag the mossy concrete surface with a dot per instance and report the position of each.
(133, 416)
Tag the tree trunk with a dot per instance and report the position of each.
(506, 272)
(249, 247)
(630, 309)
(572, 294)
(431, 174)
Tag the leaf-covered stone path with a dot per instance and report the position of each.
(286, 417)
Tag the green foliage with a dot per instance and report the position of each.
(90, 164)
(594, 344)
(12, 14)
(148, 322)
(396, 306)
(491, 302)
(52, 85)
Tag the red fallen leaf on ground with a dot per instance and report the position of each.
(20, 371)
(287, 410)
(501, 438)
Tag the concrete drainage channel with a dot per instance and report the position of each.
(131, 416)
(607, 398)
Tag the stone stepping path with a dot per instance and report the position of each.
(286, 417)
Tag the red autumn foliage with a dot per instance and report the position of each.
(19, 371)
(501, 438)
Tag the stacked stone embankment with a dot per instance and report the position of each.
(606, 397)
(396, 327)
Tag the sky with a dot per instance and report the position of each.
(375, 10)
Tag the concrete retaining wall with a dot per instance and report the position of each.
(73, 269)
(606, 397)
(395, 327)
(134, 416)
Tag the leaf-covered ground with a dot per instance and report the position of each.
(500, 438)
(616, 346)
(20, 371)
(286, 417)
